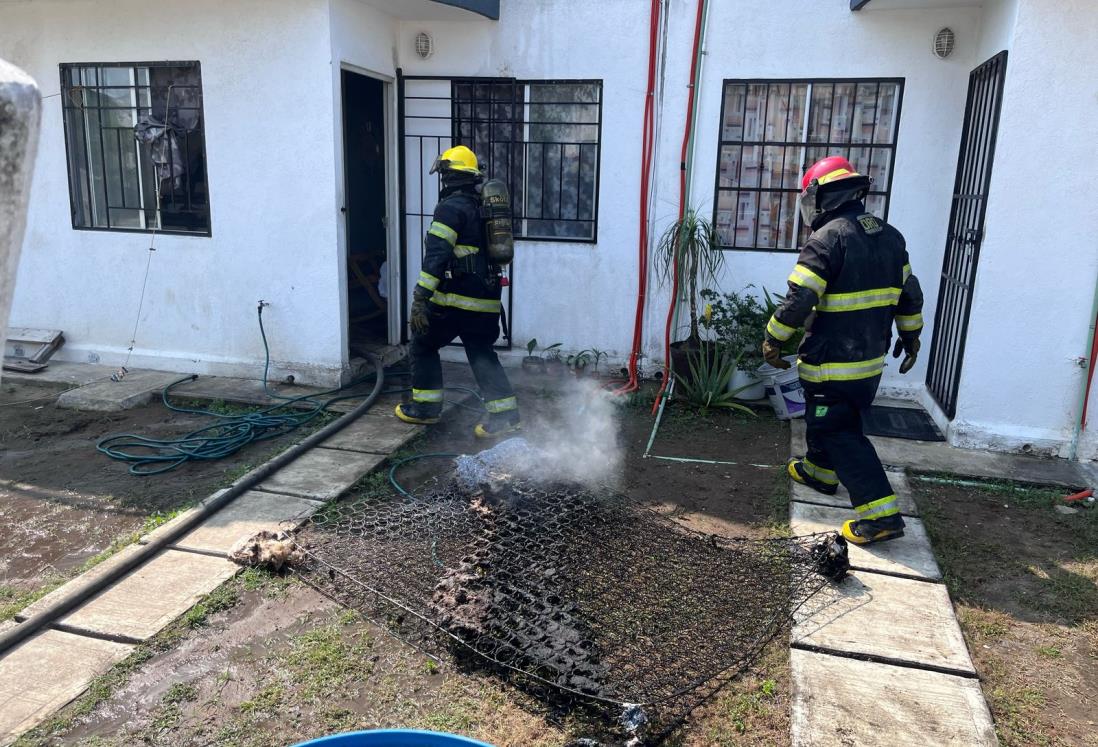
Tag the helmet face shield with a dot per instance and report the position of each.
(818, 199)
(440, 164)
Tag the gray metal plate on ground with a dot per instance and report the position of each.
(376, 432)
(870, 614)
(146, 600)
(321, 474)
(136, 389)
(841, 499)
(247, 514)
(910, 555)
(46, 672)
(839, 701)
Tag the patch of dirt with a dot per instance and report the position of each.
(1024, 579)
(278, 669)
(62, 502)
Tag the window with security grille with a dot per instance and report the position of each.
(542, 138)
(134, 135)
(771, 131)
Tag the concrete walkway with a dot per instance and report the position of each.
(880, 658)
(55, 666)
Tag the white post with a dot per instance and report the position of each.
(20, 112)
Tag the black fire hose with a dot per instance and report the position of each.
(20, 632)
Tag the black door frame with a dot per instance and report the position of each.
(965, 231)
(416, 141)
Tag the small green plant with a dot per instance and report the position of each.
(690, 248)
(578, 361)
(553, 351)
(531, 347)
(737, 320)
(597, 356)
(711, 367)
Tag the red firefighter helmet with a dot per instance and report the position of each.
(829, 184)
(828, 170)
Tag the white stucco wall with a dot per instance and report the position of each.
(267, 93)
(828, 41)
(1038, 269)
(363, 40)
(584, 295)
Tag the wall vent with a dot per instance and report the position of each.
(425, 45)
(944, 42)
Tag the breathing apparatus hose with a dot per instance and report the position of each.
(174, 532)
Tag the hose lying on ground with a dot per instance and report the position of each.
(14, 636)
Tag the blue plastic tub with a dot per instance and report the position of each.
(393, 738)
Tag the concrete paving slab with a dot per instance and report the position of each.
(82, 581)
(46, 672)
(248, 514)
(321, 474)
(936, 456)
(65, 372)
(898, 480)
(896, 618)
(137, 389)
(142, 603)
(909, 555)
(375, 432)
(839, 701)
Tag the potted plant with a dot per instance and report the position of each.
(554, 366)
(578, 362)
(735, 319)
(690, 248)
(597, 356)
(533, 363)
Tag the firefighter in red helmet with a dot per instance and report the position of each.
(854, 273)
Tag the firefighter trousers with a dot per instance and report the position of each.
(839, 452)
(478, 331)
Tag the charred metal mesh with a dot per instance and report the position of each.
(585, 591)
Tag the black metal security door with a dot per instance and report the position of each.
(966, 231)
(433, 114)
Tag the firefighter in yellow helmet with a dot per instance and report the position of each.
(854, 273)
(458, 296)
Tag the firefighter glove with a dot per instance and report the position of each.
(772, 354)
(420, 319)
(910, 349)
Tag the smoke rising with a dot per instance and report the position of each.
(576, 442)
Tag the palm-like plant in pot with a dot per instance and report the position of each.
(688, 250)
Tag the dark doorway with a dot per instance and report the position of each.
(365, 163)
(966, 231)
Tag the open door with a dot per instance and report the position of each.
(966, 231)
(366, 213)
(433, 115)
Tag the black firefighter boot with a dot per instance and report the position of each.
(419, 413)
(800, 472)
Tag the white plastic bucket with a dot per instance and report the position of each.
(750, 380)
(783, 389)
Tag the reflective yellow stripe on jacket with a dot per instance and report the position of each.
(909, 322)
(428, 281)
(803, 276)
(779, 331)
(464, 250)
(859, 300)
(444, 232)
(468, 303)
(817, 374)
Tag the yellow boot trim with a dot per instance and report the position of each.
(414, 421)
(481, 432)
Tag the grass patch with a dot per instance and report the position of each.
(323, 660)
(181, 692)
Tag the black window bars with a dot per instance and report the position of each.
(135, 141)
(772, 130)
(542, 138)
